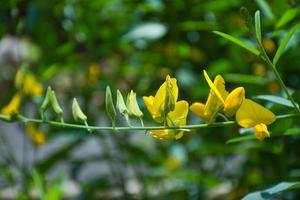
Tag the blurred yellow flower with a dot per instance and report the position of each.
(172, 163)
(253, 115)
(28, 84)
(269, 45)
(13, 106)
(164, 108)
(259, 69)
(37, 136)
(94, 73)
(218, 99)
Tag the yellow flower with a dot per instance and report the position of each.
(175, 118)
(164, 108)
(37, 136)
(93, 73)
(253, 115)
(13, 106)
(28, 84)
(156, 105)
(218, 99)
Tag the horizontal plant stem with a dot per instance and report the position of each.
(20, 118)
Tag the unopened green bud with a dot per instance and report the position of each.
(46, 102)
(78, 115)
(121, 104)
(55, 105)
(110, 109)
(132, 105)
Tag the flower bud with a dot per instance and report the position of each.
(132, 105)
(261, 131)
(78, 115)
(233, 101)
(121, 104)
(109, 105)
(169, 104)
(47, 99)
(55, 105)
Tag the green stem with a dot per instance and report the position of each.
(268, 61)
(146, 128)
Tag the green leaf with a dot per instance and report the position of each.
(242, 78)
(288, 16)
(271, 192)
(240, 139)
(275, 99)
(264, 6)
(284, 43)
(238, 42)
(292, 131)
(38, 182)
(257, 26)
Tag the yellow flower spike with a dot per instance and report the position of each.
(261, 131)
(253, 115)
(233, 101)
(13, 106)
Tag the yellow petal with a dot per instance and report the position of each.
(178, 116)
(251, 114)
(213, 87)
(261, 131)
(199, 110)
(160, 95)
(166, 134)
(233, 101)
(153, 111)
(13, 106)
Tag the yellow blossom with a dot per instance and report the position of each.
(164, 108)
(37, 136)
(13, 106)
(175, 118)
(28, 84)
(218, 99)
(253, 115)
(269, 45)
(156, 105)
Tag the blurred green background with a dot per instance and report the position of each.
(79, 47)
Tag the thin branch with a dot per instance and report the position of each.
(23, 119)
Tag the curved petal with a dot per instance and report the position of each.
(233, 101)
(199, 109)
(178, 116)
(251, 114)
(217, 86)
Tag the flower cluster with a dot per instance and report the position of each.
(165, 109)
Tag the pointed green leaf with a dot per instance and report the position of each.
(284, 43)
(241, 138)
(276, 99)
(238, 42)
(257, 26)
(264, 6)
(287, 16)
(271, 192)
(109, 105)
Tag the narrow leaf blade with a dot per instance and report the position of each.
(276, 99)
(238, 42)
(284, 43)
